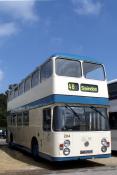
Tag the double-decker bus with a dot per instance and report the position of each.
(112, 89)
(59, 111)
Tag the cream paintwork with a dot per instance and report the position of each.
(58, 85)
(49, 141)
(42, 90)
(61, 87)
(78, 139)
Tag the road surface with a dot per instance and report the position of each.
(15, 162)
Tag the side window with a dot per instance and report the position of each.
(14, 119)
(27, 84)
(19, 119)
(35, 78)
(16, 92)
(25, 118)
(47, 119)
(46, 70)
(9, 120)
(21, 88)
(12, 95)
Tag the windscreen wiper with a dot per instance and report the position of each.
(95, 109)
(70, 108)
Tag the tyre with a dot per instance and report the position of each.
(35, 149)
(11, 141)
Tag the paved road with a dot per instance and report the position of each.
(15, 162)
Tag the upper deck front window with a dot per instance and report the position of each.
(69, 68)
(93, 71)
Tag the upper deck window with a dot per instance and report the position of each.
(16, 92)
(27, 84)
(46, 70)
(35, 78)
(11, 95)
(69, 68)
(93, 71)
(21, 88)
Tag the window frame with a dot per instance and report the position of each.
(9, 120)
(25, 124)
(25, 88)
(33, 85)
(104, 73)
(14, 118)
(50, 127)
(12, 95)
(73, 60)
(20, 125)
(107, 128)
(16, 92)
(41, 67)
(21, 84)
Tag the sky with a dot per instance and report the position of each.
(33, 30)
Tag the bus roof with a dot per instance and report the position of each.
(76, 57)
(62, 56)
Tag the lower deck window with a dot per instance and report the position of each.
(25, 118)
(14, 119)
(9, 120)
(47, 119)
(19, 119)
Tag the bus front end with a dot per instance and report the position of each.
(80, 132)
(80, 128)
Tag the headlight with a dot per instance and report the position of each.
(67, 143)
(103, 149)
(104, 142)
(66, 151)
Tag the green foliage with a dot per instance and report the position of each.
(3, 110)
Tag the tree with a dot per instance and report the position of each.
(3, 110)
